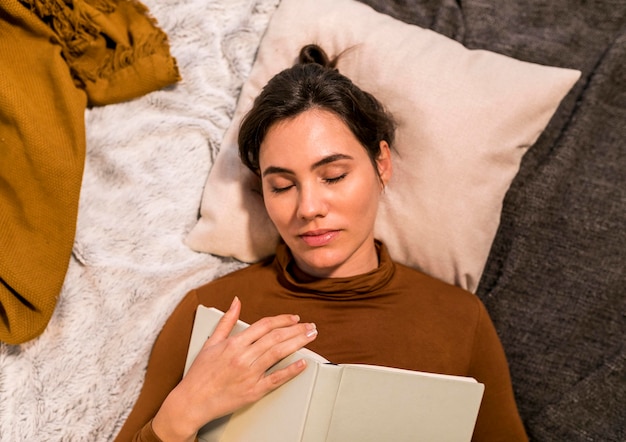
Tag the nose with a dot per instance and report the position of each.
(311, 203)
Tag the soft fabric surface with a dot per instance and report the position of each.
(113, 48)
(40, 176)
(54, 59)
(465, 118)
(147, 161)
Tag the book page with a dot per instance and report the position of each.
(422, 373)
(279, 416)
(401, 405)
(322, 403)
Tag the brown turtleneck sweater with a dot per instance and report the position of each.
(393, 316)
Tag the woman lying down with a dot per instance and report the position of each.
(321, 148)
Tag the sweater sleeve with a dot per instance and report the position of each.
(498, 418)
(146, 434)
(164, 372)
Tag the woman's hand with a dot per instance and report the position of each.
(230, 372)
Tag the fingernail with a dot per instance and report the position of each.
(311, 330)
(295, 318)
(232, 304)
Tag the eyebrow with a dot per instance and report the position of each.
(326, 160)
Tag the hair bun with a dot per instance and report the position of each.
(313, 53)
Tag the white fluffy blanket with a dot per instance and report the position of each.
(147, 162)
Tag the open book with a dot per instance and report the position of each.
(346, 402)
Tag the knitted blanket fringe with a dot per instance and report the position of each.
(101, 38)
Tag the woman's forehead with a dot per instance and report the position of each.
(311, 135)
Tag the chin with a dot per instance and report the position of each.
(322, 263)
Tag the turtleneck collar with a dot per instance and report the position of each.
(360, 286)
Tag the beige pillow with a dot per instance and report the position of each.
(465, 117)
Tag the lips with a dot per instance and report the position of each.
(318, 238)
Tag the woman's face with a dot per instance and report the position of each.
(321, 191)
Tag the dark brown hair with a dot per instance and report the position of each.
(314, 83)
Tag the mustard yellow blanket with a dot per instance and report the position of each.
(56, 58)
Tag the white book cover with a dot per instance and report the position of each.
(346, 402)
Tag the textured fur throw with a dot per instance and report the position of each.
(147, 162)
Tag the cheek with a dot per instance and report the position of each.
(277, 209)
(363, 196)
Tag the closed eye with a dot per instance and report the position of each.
(336, 179)
(281, 189)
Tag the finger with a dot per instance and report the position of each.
(281, 343)
(264, 326)
(226, 323)
(279, 377)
